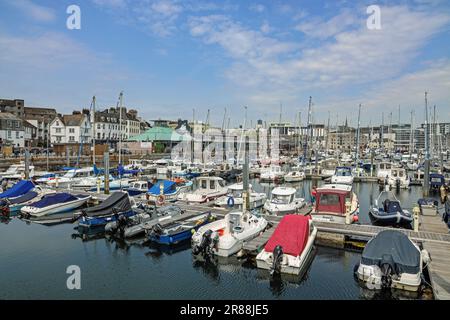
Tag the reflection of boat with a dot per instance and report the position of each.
(283, 201)
(55, 203)
(226, 236)
(289, 246)
(389, 211)
(179, 230)
(392, 260)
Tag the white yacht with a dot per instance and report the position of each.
(233, 198)
(272, 173)
(283, 201)
(207, 189)
(398, 178)
(226, 236)
(71, 177)
(294, 176)
(342, 175)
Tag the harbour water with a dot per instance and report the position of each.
(34, 259)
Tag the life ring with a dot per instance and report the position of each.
(230, 202)
(161, 199)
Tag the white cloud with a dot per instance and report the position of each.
(35, 11)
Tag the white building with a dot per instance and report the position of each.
(11, 130)
(74, 128)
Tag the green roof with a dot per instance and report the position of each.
(159, 134)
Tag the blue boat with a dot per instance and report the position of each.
(10, 206)
(178, 231)
(436, 181)
(139, 187)
(389, 212)
(116, 205)
(17, 190)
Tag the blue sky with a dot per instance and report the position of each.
(171, 56)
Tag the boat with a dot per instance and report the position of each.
(392, 260)
(208, 189)
(328, 167)
(167, 190)
(336, 203)
(289, 247)
(127, 227)
(139, 187)
(428, 206)
(437, 180)
(12, 205)
(383, 171)
(17, 190)
(177, 231)
(55, 203)
(294, 176)
(398, 178)
(271, 173)
(283, 201)
(388, 211)
(17, 172)
(342, 175)
(116, 205)
(234, 199)
(226, 236)
(71, 177)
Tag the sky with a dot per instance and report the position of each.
(170, 57)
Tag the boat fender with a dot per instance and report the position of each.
(161, 199)
(230, 202)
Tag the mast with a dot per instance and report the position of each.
(426, 178)
(120, 126)
(93, 129)
(223, 120)
(411, 137)
(357, 135)
(305, 154)
(382, 132)
(328, 132)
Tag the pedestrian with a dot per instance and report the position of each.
(313, 194)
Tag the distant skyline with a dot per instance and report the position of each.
(170, 56)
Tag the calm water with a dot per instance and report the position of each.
(34, 258)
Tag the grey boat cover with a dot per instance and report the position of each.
(117, 202)
(395, 248)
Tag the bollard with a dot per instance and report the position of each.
(347, 212)
(56, 182)
(416, 212)
(98, 184)
(442, 193)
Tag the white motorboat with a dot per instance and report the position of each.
(226, 237)
(16, 172)
(289, 247)
(208, 189)
(234, 199)
(71, 177)
(342, 175)
(398, 178)
(392, 260)
(383, 171)
(55, 203)
(328, 167)
(283, 201)
(272, 173)
(294, 176)
(336, 203)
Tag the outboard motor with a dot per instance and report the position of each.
(387, 271)
(277, 257)
(397, 184)
(205, 244)
(156, 231)
(122, 223)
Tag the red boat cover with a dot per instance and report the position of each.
(291, 234)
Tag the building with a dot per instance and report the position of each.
(40, 118)
(16, 107)
(11, 130)
(71, 129)
(342, 138)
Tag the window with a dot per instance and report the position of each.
(17, 135)
(98, 135)
(204, 184)
(8, 123)
(57, 123)
(98, 126)
(9, 134)
(212, 184)
(58, 130)
(58, 139)
(71, 138)
(17, 124)
(329, 199)
(71, 130)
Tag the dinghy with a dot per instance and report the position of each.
(387, 211)
(55, 203)
(226, 237)
(116, 205)
(179, 230)
(289, 247)
(392, 260)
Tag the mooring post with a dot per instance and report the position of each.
(27, 164)
(416, 212)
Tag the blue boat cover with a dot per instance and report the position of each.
(121, 170)
(169, 187)
(391, 206)
(24, 198)
(437, 180)
(427, 201)
(18, 189)
(52, 199)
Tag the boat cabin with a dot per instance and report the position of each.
(235, 190)
(343, 172)
(282, 195)
(79, 173)
(332, 199)
(210, 183)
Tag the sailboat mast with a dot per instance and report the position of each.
(382, 132)
(357, 135)
(120, 126)
(411, 137)
(93, 129)
(307, 129)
